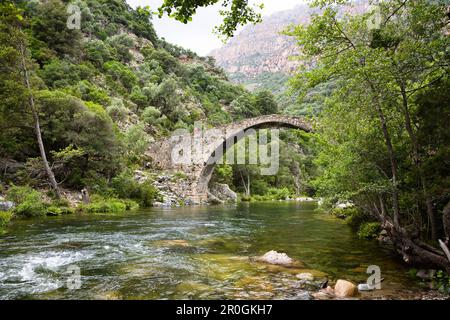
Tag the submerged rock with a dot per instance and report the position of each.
(273, 257)
(172, 243)
(344, 288)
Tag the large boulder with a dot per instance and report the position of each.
(344, 289)
(223, 192)
(7, 205)
(305, 276)
(273, 257)
(212, 199)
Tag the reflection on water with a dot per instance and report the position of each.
(188, 253)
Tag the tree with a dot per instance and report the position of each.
(378, 72)
(265, 102)
(12, 21)
(49, 26)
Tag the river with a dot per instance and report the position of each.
(190, 253)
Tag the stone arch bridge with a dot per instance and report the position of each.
(194, 154)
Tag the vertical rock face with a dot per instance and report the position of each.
(262, 48)
(260, 55)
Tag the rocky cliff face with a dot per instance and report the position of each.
(262, 48)
(260, 56)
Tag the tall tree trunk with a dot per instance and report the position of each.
(417, 161)
(446, 223)
(393, 161)
(37, 127)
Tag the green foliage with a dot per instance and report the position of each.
(235, 13)
(49, 27)
(28, 201)
(109, 205)
(20, 194)
(369, 230)
(137, 142)
(150, 115)
(122, 44)
(54, 210)
(265, 102)
(60, 73)
(356, 218)
(442, 281)
(126, 187)
(121, 74)
(117, 110)
(5, 217)
(278, 194)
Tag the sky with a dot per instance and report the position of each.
(197, 35)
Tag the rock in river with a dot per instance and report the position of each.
(273, 257)
(344, 289)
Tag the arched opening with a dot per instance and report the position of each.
(233, 138)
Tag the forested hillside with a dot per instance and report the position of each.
(102, 94)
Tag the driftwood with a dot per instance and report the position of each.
(446, 223)
(445, 249)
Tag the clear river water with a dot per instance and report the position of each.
(190, 253)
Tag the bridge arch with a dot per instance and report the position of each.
(233, 136)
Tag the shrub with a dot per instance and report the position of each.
(55, 210)
(19, 194)
(130, 204)
(356, 218)
(30, 208)
(5, 217)
(117, 112)
(150, 115)
(105, 206)
(126, 187)
(148, 194)
(369, 230)
(28, 201)
(344, 213)
(278, 194)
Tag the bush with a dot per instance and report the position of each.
(55, 210)
(28, 201)
(278, 194)
(30, 208)
(344, 213)
(150, 115)
(105, 206)
(126, 187)
(369, 230)
(5, 217)
(148, 194)
(19, 194)
(355, 218)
